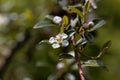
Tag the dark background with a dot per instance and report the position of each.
(21, 58)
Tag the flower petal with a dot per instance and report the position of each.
(55, 45)
(65, 43)
(64, 36)
(52, 40)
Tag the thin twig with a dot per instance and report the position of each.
(104, 49)
(77, 58)
(88, 57)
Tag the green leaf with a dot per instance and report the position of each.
(70, 32)
(44, 23)
(50, 17)
(44, 41)
(81, 42)
(98, 25)
(65, 56)
(73, 9)
(62, 3)
(89, 37)
(77, 5)
(86, 7)
(93, 63)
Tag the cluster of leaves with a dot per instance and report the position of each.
(76, 23)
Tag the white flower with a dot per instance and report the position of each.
(60, 37)
(57, 19)
(59, 40)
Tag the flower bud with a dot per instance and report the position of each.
(91, 24)
(57, 19)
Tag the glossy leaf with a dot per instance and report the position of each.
(70, 32)
(43, 23)
(98, 25)
(89, 37)
(93, 63)
(81, 42)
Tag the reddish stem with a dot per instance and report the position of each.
(77, 58)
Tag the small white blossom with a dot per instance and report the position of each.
(60, 37)
(57, 19)
(59, 40)
(55, 45)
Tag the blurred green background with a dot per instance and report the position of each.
(21, 58)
